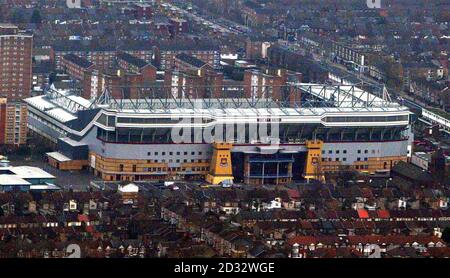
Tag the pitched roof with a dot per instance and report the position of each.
(383, 213)
(186, 45)
(362, 213)
(190, 60)
(411, 172)
(135, 61)
(302, 240)
(82, 62)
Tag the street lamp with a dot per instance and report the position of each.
(390, 179)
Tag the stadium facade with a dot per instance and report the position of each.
(304, 131)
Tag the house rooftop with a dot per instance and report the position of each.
(190, 60)
(187, 45)
(411, 172)
(78, 61)
(130, 59)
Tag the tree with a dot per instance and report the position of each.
(36, 17)
(446, 235)
(17, 16)
(345, 175)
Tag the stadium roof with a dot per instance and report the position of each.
(326, 98)
(78, 114)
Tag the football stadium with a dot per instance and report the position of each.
(269, 136)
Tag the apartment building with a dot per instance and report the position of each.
(165, 53)
(15, 62)
(13, 123)
(76, 66)
(126, 80)
(193, 78)
(269, 83)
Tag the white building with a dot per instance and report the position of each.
(25, 178)
(422, 160)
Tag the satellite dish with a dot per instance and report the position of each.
(73, 4)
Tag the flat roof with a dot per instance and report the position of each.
(58, 156)
(44, 187)
(29, 172)
(423, 155)
(129, 188)
(8, 25)
(72, 142)
(12, 180)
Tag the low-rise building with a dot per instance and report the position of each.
(25, 178)
(421, 159)
(76, 66)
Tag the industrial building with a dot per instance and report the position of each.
(24, 178)
(305, 131)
